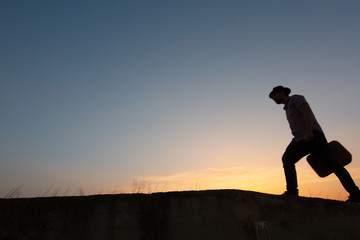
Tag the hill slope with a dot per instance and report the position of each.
(212, 214)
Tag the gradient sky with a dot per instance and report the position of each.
(114, 96)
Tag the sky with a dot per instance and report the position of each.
(103, 97)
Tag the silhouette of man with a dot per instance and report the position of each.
(308, 139)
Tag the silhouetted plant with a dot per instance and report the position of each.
(15, 192)
(138, 186)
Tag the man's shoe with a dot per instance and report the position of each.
(291, 193)
(354, 198)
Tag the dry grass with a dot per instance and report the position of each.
(138, 186)
(15, 192)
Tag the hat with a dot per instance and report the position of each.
(279, 89)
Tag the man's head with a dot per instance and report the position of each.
(279, 94)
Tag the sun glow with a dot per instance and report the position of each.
(267, 180)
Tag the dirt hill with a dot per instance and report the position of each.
(207, 215)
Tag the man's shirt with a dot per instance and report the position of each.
(296, 118)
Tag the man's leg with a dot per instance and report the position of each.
(323, 152)
(293, 153)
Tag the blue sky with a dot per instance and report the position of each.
(95, 94)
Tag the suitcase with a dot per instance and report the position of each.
(340, 153)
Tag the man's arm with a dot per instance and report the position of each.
(309, 121)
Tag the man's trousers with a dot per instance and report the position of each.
(320, 149)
